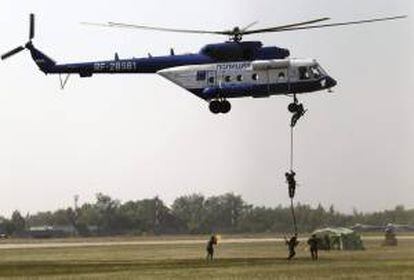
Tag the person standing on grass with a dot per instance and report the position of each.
(313, 245)
(210, 247)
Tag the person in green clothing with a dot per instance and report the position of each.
(292, 243)
(313, 246)
(291, 181)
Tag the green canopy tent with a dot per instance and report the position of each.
(338, 239)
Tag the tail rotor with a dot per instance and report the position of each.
(12, 52)
(21, 48)
(32, 27)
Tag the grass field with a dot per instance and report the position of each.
(234, 261)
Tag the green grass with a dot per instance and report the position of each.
(234, 261)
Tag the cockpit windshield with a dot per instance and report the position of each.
(321, 71)
(310, 72)
(316, 73)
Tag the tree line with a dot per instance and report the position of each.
(193, 214)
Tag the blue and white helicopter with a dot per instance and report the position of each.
(219, 71)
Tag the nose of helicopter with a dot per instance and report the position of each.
(330, 82)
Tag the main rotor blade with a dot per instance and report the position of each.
(12, 52)
(340, 24)
(32, 27)
(277, 28)
(244, 31)
(144, 27)
(249, 26)
(226, 32)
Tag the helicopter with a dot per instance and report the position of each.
(219, 71)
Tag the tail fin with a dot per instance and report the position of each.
(45, 63)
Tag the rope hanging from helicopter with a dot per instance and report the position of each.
(291, 148)
(291, 181)
(297, 109)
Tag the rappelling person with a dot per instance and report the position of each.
(297, 115)
(291, 181)
(298, 110)
(292, 243)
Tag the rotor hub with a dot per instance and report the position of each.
(237, 34)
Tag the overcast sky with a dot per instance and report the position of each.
(138, 136)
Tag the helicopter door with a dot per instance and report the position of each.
(211, 78)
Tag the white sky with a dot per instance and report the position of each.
(137, 136)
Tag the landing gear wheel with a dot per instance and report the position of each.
(215, 107)
(225, 107)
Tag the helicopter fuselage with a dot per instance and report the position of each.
(260, 78)
(217, 72)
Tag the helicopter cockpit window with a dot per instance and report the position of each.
(201, 75)
(316, 73)
(304, 73)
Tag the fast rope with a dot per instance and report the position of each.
(298, 111)
(291, 181)
(291, 149)
(292, 208)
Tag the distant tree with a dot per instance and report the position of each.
(40, 219)
(106, 208)
(190, 210)
(86, 216)
(260, 219)
(129, 216)
(18, 222)
(223, 213)
(227, 213)
(61, 218)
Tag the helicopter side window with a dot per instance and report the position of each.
(304, 73)
(201, 75)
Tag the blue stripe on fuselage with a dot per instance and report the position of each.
(135, 65)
